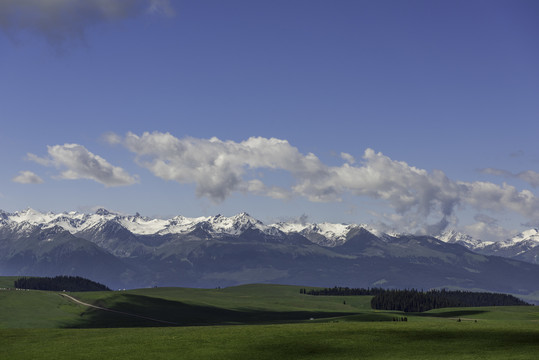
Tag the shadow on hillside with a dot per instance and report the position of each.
(181, 314)
(452, 313)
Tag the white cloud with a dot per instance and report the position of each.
(489, 196)
(219, 167)
(111, 138)
(79, 163)
(423, 201)
(37, 159)
(27, 177)
(529, 176)
(60, 21)
(348, 158)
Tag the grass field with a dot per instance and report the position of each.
(7, 281)
(342, 340)
(269, 322)
(36, 309)
(249, 304)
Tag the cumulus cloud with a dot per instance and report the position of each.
(219, 168)
(79, 163)
(489, 196)
(27, 177)
(60, 21)
(531, 177)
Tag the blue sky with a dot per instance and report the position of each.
(412, 115)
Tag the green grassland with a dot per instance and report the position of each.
(36, 309)
(248, 304)
(269, 322)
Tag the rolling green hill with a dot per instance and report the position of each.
(271, 321)
(246, 304)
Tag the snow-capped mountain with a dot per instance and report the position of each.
(531, 236)
(75, 222)
(523, 246)
(133, 250)
(326, 234)
(455, 237)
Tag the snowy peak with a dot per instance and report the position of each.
(335, 233)
(455, 237)
(142, 225)
(526, 240)
(530, 236)
(103, 212)
(524, 246)
(75, 222)
(234, 225)
(326, 234)
(30, 216)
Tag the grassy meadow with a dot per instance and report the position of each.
(253, 322)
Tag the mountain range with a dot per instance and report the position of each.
(523, 246)
(125, 251)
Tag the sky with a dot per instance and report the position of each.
(411, 116)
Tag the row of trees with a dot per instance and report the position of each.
(418, 301)
(343, 291)
(59, 283)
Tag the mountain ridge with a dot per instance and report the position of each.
(136, 251)
(333, 233)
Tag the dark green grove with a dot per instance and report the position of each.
(59, 283)
(418, 301)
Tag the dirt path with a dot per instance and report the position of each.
(116, 311)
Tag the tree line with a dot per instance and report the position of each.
(59, 283)
(342, 291)
(417, 301)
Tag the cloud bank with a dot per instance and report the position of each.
(60, 21)
(27, 177)
(219, 168)
(79, 163)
